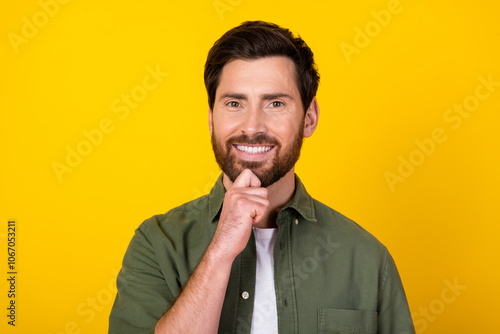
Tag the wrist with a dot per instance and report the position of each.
(220, 254)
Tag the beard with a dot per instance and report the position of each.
(267, 172)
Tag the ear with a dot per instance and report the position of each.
(210, 123)
(311, 118)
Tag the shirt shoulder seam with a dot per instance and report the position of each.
(385, 274)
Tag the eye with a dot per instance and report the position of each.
(277, 104)
(233, 104)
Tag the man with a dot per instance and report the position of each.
(258, 254)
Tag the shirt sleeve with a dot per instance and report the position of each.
(393, 312)
(143, 296)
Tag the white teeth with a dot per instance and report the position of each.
(253, 149)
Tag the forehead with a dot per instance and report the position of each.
(263, 75)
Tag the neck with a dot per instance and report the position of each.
(279, 193)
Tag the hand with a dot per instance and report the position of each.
(245, 204)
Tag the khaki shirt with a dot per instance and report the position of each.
(331, 275)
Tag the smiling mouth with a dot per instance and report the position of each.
(254, 149)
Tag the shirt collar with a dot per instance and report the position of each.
(301, 201)
(216, 198)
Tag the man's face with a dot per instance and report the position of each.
(258, 119)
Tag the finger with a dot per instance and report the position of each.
(246, 179)
(259, 214)
(243, 201)
(262, 192)
(250, 199)
(258, 211)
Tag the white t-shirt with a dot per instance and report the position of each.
(265, 315)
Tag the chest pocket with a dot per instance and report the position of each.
(340, 321)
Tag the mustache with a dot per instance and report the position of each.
(258, 139)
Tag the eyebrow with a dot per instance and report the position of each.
(263, 96)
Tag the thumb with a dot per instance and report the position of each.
(246, 179)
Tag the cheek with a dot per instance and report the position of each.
(225, 125)
(286, 132)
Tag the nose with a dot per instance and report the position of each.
(254, 122)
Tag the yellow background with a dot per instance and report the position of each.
(440, 224)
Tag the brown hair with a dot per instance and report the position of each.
(258, 39)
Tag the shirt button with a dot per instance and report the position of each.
(245, 295)
(296, 222)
